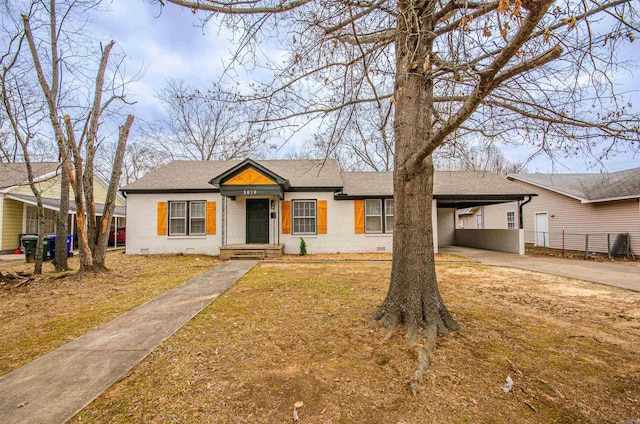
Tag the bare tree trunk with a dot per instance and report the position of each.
(413, 298)
(62, 224)
(86, 257)
(100, 251)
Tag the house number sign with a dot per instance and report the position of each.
(249, 191)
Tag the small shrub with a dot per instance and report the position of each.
(303, 247)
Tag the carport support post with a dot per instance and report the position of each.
(586, 247)
(609, 245)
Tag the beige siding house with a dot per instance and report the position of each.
(18, 204)
(578, 211)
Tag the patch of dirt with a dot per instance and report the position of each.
(54, 308)
(296, 332)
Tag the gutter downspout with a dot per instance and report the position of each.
(520, 217)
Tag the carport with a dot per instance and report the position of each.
(455, 190)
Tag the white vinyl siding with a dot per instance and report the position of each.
(304, 217)
(511, 220)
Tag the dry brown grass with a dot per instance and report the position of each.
(369, 256)
(294, 332)
(48, 312)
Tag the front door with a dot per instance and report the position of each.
(542, 229)
(258, 221)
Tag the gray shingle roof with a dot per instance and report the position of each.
(195, 175)
(446, 183)
(12, 174)
(52, 203)
(588, 187)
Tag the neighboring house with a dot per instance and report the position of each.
(18, 212)
(209, 206)
(605, 206)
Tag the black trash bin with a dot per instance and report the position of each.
(30, 242)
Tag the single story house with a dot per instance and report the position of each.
(597, 211)
(222, 207)
(18, 212)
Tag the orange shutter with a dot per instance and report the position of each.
(162, 218)
(322, 217)
(211, 217)
(359, 215)
(286, 217)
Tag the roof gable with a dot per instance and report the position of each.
(248, 172)
(588, 188)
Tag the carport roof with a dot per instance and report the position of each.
(451, 188)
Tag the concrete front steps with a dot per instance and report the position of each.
(250, 251)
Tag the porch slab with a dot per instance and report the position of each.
(250, 251)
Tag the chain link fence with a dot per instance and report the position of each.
(589, 245)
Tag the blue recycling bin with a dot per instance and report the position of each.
(52, 246)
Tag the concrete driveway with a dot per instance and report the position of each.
(617, 274)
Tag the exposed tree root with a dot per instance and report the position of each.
(424, 352)
(421, 330)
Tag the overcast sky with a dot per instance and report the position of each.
(168, 42)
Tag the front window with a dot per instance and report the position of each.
(388, 215)
(511, 220)
(373, 216)
(197, 213)
(177, 218)
(304, 217)
(32, 221)
(378, 216)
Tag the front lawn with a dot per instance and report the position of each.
(289, 333)
(46, 313)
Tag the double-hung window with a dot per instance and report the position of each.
(304, 216)
(511, 220)
(187, 218)
(388, 215)
(177, 218)
(378, 216)
(479, 222)
(32, 221)
(197, 213)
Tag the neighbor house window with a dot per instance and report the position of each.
(378, 216)
(511, 220)
(304, 216)
(32, 221)
(479, 222)
(197, 213)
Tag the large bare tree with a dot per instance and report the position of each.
(61, 59)
(534, 71)
(203, 124)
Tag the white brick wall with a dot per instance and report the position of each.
(341, 237)
(142, 216)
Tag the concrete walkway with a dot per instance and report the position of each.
(56, 386)
(617, 274)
